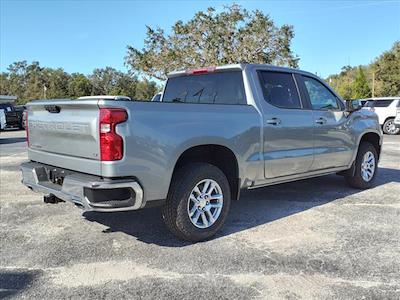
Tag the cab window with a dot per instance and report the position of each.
(279, 89)
(320, 97)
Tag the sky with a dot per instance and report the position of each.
(80, 36)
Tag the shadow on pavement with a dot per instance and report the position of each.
(4, 141)
(256, 207)
(13, 282)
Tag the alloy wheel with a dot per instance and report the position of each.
(205, 203)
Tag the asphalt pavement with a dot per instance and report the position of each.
(309, 239)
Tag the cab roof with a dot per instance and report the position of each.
(243, 66)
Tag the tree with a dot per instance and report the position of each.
(17, 78)
(387, 71)
(146, 90)
(104, 81)
(79, 85)
(30, 81)
(126, 85)
(56, 81)
(343, 82)
(4, 83)
(234, 35)
(360, 86)
(109, 81)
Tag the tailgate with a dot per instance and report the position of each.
(65, 128)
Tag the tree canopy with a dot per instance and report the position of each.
(31, 81)
(213, 38)
(358, 82)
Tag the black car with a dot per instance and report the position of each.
(20, 109)
(13, 115)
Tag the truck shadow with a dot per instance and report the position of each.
(4, 141)
(12, 282)
(256, 207)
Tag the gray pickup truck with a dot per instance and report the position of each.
(215, 132)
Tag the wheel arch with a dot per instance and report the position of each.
(388, 118)
(373, 138)
(217, 155)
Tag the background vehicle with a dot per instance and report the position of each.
(397, 119)
(385, 108)
(20, 109)
(2, 119)
(217, 131)
(12, 118)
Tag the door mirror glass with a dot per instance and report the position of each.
(353, 105)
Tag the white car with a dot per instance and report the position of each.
(2, 119)
(386, 109)
(397, 119)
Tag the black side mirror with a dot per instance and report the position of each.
(353, 105)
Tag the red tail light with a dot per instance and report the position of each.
(111, 144)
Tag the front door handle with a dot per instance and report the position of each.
(320, 121)
(274, 121)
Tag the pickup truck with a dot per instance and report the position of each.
(215, 132)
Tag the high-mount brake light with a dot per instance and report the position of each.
(111, 143)
(200, 71)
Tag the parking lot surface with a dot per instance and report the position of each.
(314, 238)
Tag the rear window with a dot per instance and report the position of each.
(378, 103)
(6, 107)
(212, 88)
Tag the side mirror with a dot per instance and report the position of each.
(353, 105)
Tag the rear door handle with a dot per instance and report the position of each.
(274, 121)
(320, 121)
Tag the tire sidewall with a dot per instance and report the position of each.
(183, 222)
(364, 148)
(387, 132)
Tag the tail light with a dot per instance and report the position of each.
(111, 144)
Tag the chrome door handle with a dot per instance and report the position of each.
(320, 121)
(274, 121)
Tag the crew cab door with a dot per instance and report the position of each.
(332, 137)
(288, 127)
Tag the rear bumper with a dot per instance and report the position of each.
(92, 193)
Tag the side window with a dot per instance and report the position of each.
(383, 103)
(214, 88)
(279, 89)
(320, 97)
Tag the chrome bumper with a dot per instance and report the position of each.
(75, 186)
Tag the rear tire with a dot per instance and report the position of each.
(390, 128)
(366, 167)
(184, 202)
